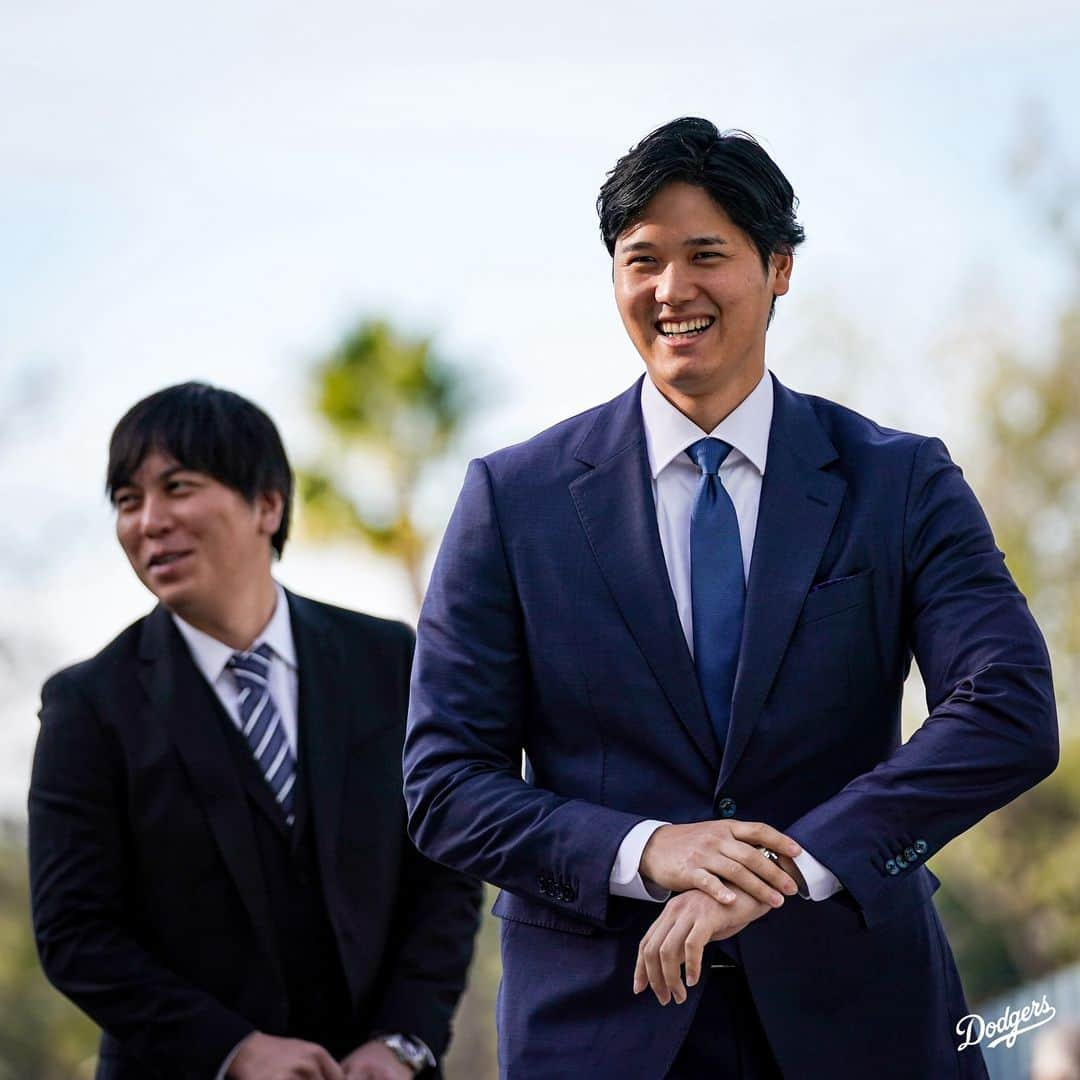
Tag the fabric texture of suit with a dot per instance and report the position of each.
(162, 893)
(550, 626)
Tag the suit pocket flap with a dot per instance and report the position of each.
(515, 908)
(839, 594)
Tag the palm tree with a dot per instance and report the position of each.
(392, 402)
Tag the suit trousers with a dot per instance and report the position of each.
(726, 1040)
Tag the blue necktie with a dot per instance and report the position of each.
(717, 584)
(260, 723)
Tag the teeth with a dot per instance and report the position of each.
(685, 327)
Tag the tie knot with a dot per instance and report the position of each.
(708, 454)
(257, 661)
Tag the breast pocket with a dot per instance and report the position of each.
(836, 595)
(816, 674)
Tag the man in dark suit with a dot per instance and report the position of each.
(694, 608)
(220, 872)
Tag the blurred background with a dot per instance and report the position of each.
(378, 222)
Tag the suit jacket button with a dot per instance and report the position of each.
(726, 807)
(920, 846)
(910, 854)
(891, 867)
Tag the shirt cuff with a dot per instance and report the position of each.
(625, 878)
(228, 1061)
(821, 882)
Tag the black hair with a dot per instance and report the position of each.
(209, 430)
(731, 166)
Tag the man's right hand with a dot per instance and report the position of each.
(697, 856)
(266, 1057)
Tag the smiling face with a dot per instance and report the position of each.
(694, 298)
(196, 544)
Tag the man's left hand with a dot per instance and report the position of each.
(679, 935)
(375, 1061)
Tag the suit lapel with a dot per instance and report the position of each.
(615, 504)
(180, 696)
(327, 704)
(798, 508)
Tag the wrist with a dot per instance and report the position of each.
(411, 1052)
(789, 866)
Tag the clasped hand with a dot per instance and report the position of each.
(725, 883)
(268, 1057)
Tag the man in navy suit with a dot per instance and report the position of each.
(693, 609)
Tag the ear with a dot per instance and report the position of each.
(269, 506)
(781, 263)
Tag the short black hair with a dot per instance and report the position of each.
(212, 431)
(731, 166)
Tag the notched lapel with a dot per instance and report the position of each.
(326, 703)
(798, 509)
(615, 504)
(176, 690)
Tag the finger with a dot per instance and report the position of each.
(735, 873)
(753, 859)
(651, 958)
(713, 886)
(694, 951)
(757, 832)
(328, 1068)
(672, 950)
(641, 974)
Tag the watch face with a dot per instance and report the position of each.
(406, 1051)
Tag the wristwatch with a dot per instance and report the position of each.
(408, 1051)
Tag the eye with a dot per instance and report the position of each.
(124, 502)
(639, 259)
(709, 255)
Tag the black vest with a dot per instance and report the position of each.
(319, 1003)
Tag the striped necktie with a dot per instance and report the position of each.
(717, 584)
(260, 723)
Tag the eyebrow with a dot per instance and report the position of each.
(165, 474)
(694, 241)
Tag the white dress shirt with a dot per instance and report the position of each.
(668, 433)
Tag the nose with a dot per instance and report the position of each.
(674, 285)
(154, 517)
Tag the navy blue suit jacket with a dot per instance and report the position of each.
(550, 627)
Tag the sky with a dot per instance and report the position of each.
(219, 191)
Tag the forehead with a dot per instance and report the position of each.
(679, 210)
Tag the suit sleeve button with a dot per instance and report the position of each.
(901, 862)
(920, 846)
(910, 854)
(891, 867)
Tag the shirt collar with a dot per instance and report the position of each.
(669, 432)
(211, 655)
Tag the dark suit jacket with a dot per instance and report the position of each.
(149, 906)
(550, 625)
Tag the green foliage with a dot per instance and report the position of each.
(388, 403)
(42, 1035)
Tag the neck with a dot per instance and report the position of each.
(250, 607)
(709, 408)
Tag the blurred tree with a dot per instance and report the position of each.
(1011, 898)
(389, 402)
(42, 1036)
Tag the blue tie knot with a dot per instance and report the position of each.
(257, 661)
(708, 454)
